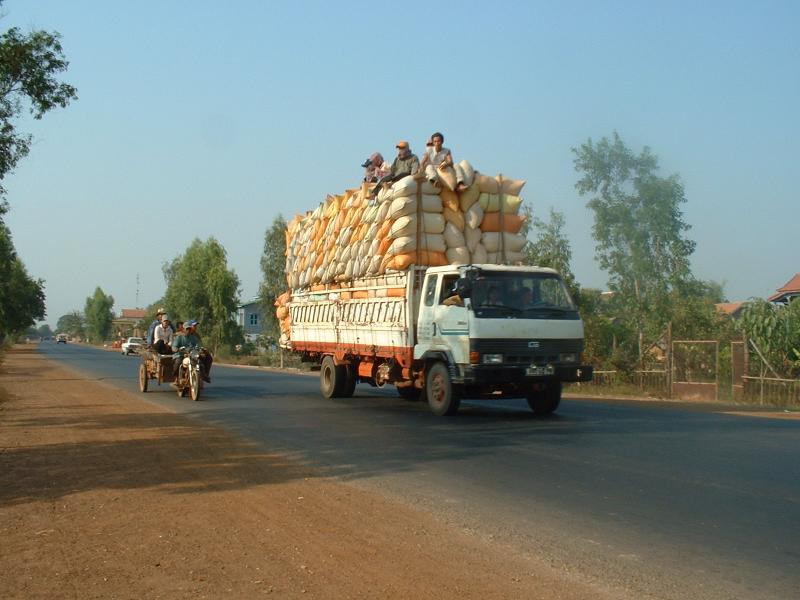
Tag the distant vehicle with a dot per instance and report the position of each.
(132, 345)
(61, 338)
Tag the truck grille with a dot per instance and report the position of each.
(525, 352)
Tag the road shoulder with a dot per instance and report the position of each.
(105, 495)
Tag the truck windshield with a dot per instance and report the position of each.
(522, 295)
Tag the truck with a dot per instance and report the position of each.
(444, 334)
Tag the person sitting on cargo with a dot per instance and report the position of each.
(375, 168)
(438, 158)
(405, 164)
(191, 339)
(162, 336)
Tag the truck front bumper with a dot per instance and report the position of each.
(520, 375)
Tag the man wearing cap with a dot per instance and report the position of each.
(405, 164)
(153, 325)
(191, 339)
(162, 336)
(375, 168)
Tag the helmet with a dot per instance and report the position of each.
(190, 323)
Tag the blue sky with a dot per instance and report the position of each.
(200, 119)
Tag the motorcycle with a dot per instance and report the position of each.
(189, 378)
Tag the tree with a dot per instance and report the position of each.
(98, 315)
(44, 331)
(21, 299)
(29, 64)
(73, 324)
(551, 247)
(639, 230)
(273, 282)
(200, 286)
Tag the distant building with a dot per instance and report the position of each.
(788, 292)
(128, 323)
(250, 317)
(732, 309)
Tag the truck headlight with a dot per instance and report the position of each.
(492, 359)
(568, 357)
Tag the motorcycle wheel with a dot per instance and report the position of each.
(194, 384)
(180, 387)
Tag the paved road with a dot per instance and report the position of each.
(667, 500)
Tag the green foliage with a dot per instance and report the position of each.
(639, 230)
(551, 247)
(29, 64)
(73, 324)
(273, 282)
(200, 286)
(21, 297)
(98, 315)
(776, 332)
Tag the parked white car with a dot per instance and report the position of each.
(132, 345)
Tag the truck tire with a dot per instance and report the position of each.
(349, 385)
(545, 401)
(331, 378)
(442, 397)
(411, 393)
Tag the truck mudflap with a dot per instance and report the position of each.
(520, 374)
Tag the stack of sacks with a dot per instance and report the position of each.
(350, 236)
(284, 318)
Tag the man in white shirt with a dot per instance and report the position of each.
(437, 158)
(163, 335)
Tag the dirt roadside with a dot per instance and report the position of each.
(104, 495)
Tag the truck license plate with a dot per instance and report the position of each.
(535, 370)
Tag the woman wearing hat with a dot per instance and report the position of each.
(162, 336)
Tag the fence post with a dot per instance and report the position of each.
(669, 360)
(716, 373)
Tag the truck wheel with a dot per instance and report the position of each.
(349, 384)
(547, 400)
(142, 378)
(331, 378)
(442, 397)
(411, 393)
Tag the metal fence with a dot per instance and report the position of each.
(699, 370)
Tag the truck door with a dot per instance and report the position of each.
(451, 322)
(425, 327)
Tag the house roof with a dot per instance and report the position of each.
(790, 288)
(133, 313)
(730, 308)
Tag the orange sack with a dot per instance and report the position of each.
(511, 223)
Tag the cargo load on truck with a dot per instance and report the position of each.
(354, 235)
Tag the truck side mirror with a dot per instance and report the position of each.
(464, 287)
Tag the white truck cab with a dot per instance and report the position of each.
(498, 331)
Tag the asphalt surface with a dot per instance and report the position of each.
(661, 500)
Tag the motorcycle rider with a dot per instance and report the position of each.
(189, 338)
